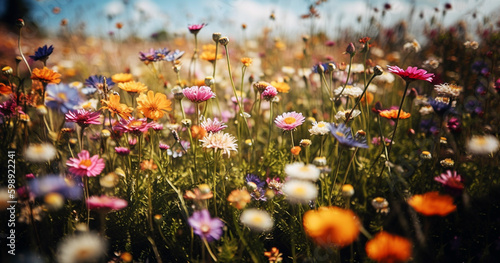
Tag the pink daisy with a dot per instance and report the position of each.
(289, 120)
(106, 203)
(450, 180)
(213, 125)
(85, 165)
(83, 117)
(411, 73)
(164, 146)
(198, 94)
(194, 29)
(269, 93)
(122, 150)
(134, 126)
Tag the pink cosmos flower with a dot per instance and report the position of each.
(213, 125)
(269, 93)
(83, 117)
(135, 126)
(450, 180)
(205, 226)
(289, 120)
(122, 150)
(164, 146)
(194, 29)
(198, 94)
(411, 73)
(85, 165)
(106, 203)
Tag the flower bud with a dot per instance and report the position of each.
(350, 49)
(20, 23)
(331, 67)
(224, 41)
(7, 70)
(209, 81)
(377, 70)
(177, 91)
(305, 142)
(186, 123)
(216, 36)
(347, 190)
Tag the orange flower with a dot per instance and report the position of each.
(153, 106)
(331, 226)
(296, 150)
(280, 86)
(208, 53)
(132, 87)
(115, 107)
(46, 75)
(5, 90)
(246, 61)
(385, 247)
(239, 198)
(198, 132)
(148, 165)
(369, 97)
(393, 114)
(121, 77)
(202, 192)
(432, 203)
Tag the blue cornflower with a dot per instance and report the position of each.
(89, 90)
(161, 53)
(62, 97)
(254, 181)
(173, 56)
(343, 134)
(97, 82)
(441, 105)
(55, 183)
(42, 53)
(259, 194)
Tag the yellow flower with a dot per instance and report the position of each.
(132, 87)
(153, 106)
(393, 114)
(208, 53)
(121, 77)
(46, 75)
(280, 86)
(115, 107)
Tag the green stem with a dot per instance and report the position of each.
(21, 51)
(335, 178)
(397, 119)
(349, 165)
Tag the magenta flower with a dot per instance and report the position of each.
(83, 117)
(194, 29)
(411, 73)
(451, 180)
(85, 165)
(198, 94)
(289, 120)
(213, 125)
(206, 227)
(106, 203)
(134, 126)
(122, 150)
(269, 93)
(164, 146)
(132, 141)
(156, 126)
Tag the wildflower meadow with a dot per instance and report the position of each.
(378, 143)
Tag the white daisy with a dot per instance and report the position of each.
(302, 171)
(342, 114)
(257, 220)
(350, 90)
(85, 247)
(298, 191)
(412, 46)
(40, 152)
(425, 110)
(446, 89)
(319, 128)
(220, 141)
(483, 144)
(356, 68)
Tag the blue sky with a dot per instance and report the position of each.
(147, 16)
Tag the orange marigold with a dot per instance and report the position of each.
(46, 75)
(280, 86)
(432, 203)
(5, 90)
(115, 107)
(246, 61)
(331, 226)
(153, 106)
(388, 248)
(198, 132)
(393, 114)
(369, 98)
(295, 150)
(121, 77)
(132, 87)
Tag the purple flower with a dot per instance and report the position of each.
(254, 182)
(62, 97)
(83, 117)
(441, 105)
(451, 181)
(275, 184)
(173, 56)
(454, 125)
(9, 108)
(55, 183)
(343, 134)
(122, 150)
(149, 56)
(97, 82)
(198, 94)
(206, 227)
(43, 53)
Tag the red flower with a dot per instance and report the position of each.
(411, 73)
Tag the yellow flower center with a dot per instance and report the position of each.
(86, 162)
(62, 96)
(290, 120)
(301, 191)
(339, 134)
(257, 220)
(135, 124)
(379, 199)
(304, 169)
(321, 125)
(481, 141)
(205, 228)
